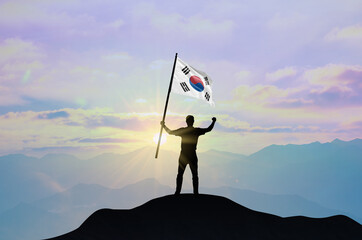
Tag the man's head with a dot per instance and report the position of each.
(190, 120)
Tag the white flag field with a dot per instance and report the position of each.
(191, 82)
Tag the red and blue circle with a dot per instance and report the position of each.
(197, 83)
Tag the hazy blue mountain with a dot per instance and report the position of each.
(65, 211)
(329, 174)
(281, 205)
(24, 179)
(25, 221)
(93, 196)
(21, 180)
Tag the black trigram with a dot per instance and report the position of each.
(185, 87)
(186, 70)
(207, 96)
(207, 81)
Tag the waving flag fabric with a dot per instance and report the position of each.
(192, 82)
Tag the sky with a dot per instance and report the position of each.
(87, 77)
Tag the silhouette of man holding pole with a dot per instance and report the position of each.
(188, 155)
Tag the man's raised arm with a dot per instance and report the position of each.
(211, 125)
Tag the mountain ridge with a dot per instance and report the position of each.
(335, 141)
(302, 170)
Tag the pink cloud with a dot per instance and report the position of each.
(332, 86)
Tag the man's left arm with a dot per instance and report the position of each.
(211, 126)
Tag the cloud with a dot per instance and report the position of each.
(335, 85)
(25, 132)
(229, 124)
(334, 96)
(57, 20)
(105, 140)
(258, 94)
(108, 54)
(19, 62)
(259, 129)
(352, 127)
(334, 75)
(281, 74)
(18, 14)
(85, 151)
(75, 130)
(53, 115)
(104, 80)
(37, 78)
(8, 99)
(331, 86)
(134, 123)
(16, 49)
(57, 148)
(350, 33)
(292, 103)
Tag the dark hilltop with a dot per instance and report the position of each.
(207, 217)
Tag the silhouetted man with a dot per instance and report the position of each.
(188, 155)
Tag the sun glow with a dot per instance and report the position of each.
(163, 138)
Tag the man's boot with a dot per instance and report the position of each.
(195, 183)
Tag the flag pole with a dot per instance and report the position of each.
(166, 104)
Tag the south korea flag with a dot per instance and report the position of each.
(192, 82)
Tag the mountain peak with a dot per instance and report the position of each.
(337, 140)
(206, 217)
(354, 141)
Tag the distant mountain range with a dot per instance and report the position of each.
(63, 212)
(328, 175)
(207, 217)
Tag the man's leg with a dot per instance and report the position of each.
(195, 177)
(181, 169)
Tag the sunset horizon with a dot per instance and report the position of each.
(264, 107)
